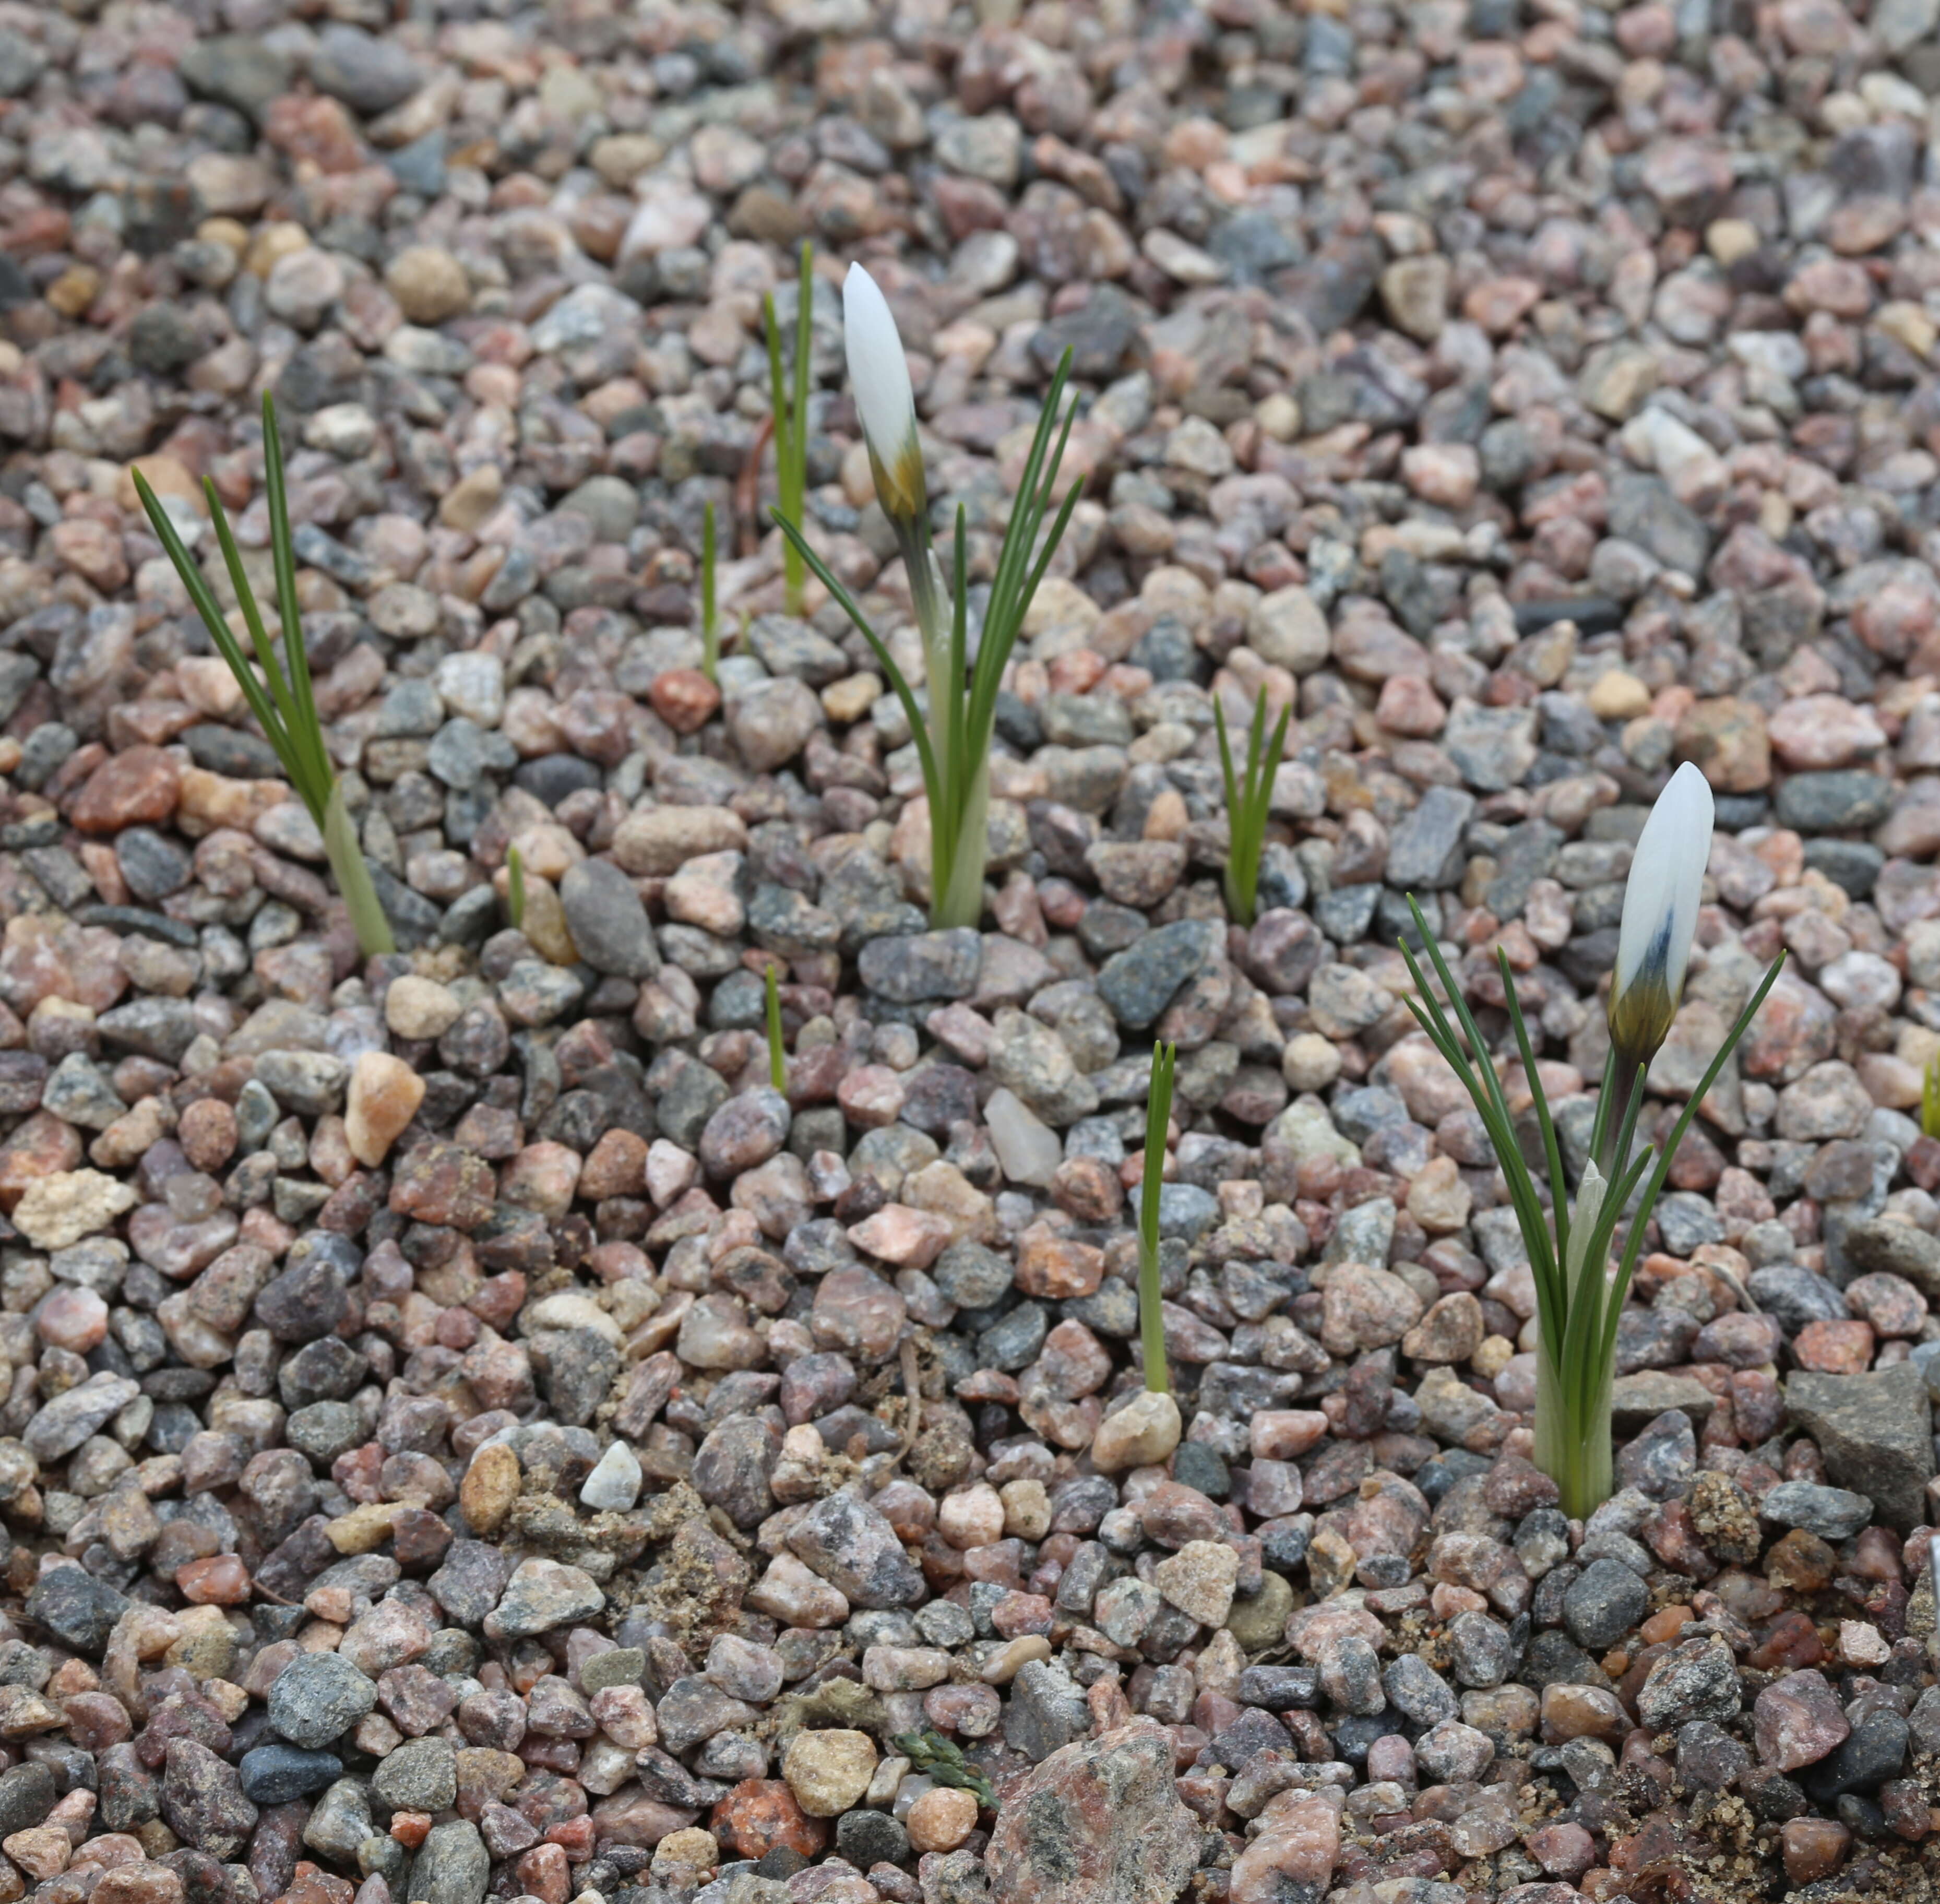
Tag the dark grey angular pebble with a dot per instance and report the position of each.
(276, 1773)
(1139, 983)
(318, 1698)
(1603, 1603)
(79, 1610)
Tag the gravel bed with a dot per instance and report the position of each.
(465, 1434)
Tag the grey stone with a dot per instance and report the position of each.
(1602, 1603)
(318, 1698)
(1424, 849)
(1832, 1513)
(451, 1867)
(1875, 1431)
(1139, 983)
(607, 920)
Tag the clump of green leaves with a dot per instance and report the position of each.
(1158, 1119)
(1578, 1301)
(1249, 799)
(777, 1051)
(943, 1760)
(515, 888)
(789, 400)
(283, 701)
(710, 614)
(952, 742)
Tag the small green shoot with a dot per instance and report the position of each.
(710, 616)
(515, 888)
(1929, 1098)
(283, 701)
(790, 403)
(943, 1760)
(777, 1052)
(1158, 1118)
(1248, 801)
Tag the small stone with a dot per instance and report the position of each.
(615, 1483)
(828, 1772)
(942, 1819)
(429, 284)
(384, 1095)
(1100, 1818)
(1797, 1721)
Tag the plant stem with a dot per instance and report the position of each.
(710, 621)
(515, 889)
(353, 878)
(959, 862)
(777, 1057)
(1158, 1119)
(1573, 1437)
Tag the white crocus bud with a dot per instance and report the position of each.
(1660, 916)
(879, 375)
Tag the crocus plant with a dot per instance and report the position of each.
(1579, 1297)
(953, 743)
(281, 700)
(1249, 802)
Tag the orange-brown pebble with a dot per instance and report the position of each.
(1666, 1624)
(1812, 1848)
(385, 1094)
(221, 1580)
(760, 1815)
(685, 698)
(207, 1133)
(942, 1819)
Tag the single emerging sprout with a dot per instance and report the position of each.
(286, 708)
(1248, 800)
(777, 1053)
(1158, 1117)
(953, 744)
(1578, 1301)
(1929, 1098)
(710, 617)
(790, 404)
(515, 888)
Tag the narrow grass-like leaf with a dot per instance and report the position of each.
(1249, 802)
(283, 700)
(515, 889)
(777, 1051)
(1158, 1118)
(1929, 1098)
(787, 398)
(1634, 1243)
(1559, 1188)
(710, 621)
(912, 710)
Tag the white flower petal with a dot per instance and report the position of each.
(1661, 901)
(879, 375)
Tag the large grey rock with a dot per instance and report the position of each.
(1099, 1819)
(451, 1867)
(1876, 1432)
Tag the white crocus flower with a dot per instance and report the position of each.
(1661, 915)
(879, 375)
